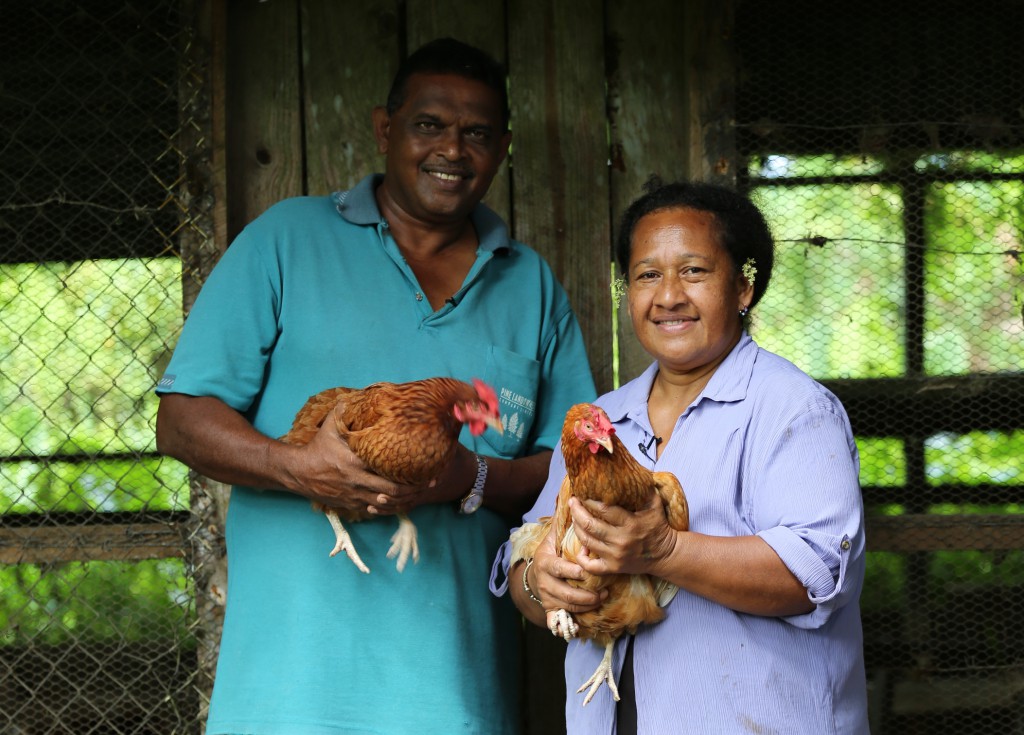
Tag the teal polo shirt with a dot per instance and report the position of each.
(315, 294)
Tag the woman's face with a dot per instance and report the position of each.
(684, 292)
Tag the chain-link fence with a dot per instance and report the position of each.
(102, 138)
(886, 142)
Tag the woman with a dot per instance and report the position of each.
(764, 634)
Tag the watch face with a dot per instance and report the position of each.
(472, 503)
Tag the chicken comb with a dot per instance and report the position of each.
(486, 394)
(601, 420)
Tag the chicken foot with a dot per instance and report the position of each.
(561, 624)
(344, 541)
(403, 543)
(601, 675)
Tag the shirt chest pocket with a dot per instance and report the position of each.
(516, 379)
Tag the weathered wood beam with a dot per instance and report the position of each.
(54, 544)
(560, 188)
(647, 101)
(155, 540)
(945, 533)
(926, 406)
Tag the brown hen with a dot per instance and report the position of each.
(404, 432)
(598, 467)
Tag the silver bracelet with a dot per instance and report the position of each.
(526, 585)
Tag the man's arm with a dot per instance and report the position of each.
(215, 440)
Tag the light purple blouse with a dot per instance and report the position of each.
(763, 450)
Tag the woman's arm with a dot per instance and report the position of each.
(742, 573)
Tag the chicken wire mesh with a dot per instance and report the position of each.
(102, 110)
(885, 142)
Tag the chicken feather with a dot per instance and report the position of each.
(404, 432)
(598, 467)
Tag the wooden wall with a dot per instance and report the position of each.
(602, 94)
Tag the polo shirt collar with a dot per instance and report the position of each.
(728, 384)
(358, 205)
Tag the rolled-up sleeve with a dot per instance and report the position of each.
(808, 508)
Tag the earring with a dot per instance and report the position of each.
(744, 311)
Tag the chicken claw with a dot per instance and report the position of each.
(560, 623)
(344, 541)
(601, 675)
(404, 543)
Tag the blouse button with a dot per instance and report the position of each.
(419, 296)
(845, 545)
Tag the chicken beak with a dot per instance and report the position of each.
(606, 442)
(495, 423)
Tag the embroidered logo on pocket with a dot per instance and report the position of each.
(511, 421)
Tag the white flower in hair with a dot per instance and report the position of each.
(749, 271)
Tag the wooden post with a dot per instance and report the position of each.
(350, 52)
(560, 173)
(647, 111)
(481, 24)
(265, 158)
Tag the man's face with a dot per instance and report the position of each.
(443, 146)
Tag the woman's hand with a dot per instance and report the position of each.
(616, 541)
(548, 579)
(551, 572)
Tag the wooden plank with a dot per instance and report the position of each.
(202, 238)
(931, 695)
(264, 155)
(710, 55)
(560, 203)
(945, 533)
(647, 104)
(560, 167)
(923, 494)
(481, 24)
(137, 541)
(350, 52)
(927, 406)
(52, 544)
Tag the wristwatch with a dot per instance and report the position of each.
(472, 502)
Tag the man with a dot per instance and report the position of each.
(405, 276)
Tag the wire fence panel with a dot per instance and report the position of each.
(886, 142)
(102, 121)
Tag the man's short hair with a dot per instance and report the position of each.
(449, 56)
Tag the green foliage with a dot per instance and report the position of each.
(102, 485)
(971, 279)
(834, 310)
(94, 601)
(83, 347)
(883, 582)
(978, 457)
(882, 462)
